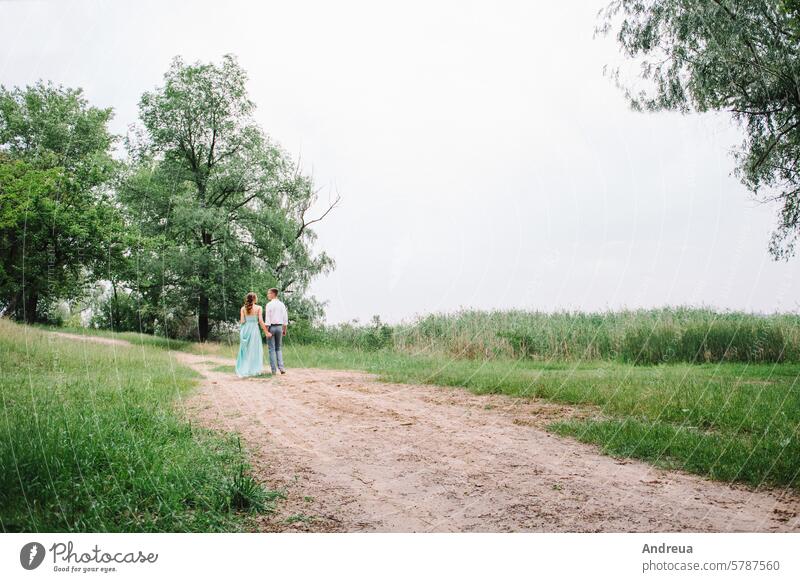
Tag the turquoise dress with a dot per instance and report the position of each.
(250, 360)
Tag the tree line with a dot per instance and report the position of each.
(202, 207)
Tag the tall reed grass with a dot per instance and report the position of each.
(651, 336)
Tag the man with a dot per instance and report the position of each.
(277, 319)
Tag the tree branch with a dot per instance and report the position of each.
(305, 224)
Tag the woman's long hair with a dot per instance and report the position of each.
(249, 300)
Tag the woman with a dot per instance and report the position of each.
(250, 360)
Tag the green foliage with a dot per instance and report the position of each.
(90, 440)
(56, 219)
(245, 493)
(119, 312)
(375, 335)
(740, 56)
(205, 209)
(217, 208)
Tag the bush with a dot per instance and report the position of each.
(118, 312)
(374, 336)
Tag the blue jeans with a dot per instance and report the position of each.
(275, 351)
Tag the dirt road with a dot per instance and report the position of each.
(355, 454)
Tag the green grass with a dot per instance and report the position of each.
(299, 517)
(227, 369)
(92, 439)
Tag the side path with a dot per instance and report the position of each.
(356, 454)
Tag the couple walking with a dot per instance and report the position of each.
(250, 361)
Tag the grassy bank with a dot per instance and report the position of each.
(91, 439)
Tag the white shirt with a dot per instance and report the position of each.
(276, 313)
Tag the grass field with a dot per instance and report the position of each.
(92, 439)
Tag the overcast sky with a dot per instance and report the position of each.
(482, 157)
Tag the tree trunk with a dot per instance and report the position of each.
(115, 309)
(31, 303)
(13, 306)
(202, 323)
(203, 317)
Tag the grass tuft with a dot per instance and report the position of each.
(91, 439)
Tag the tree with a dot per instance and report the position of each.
(219, 209)
(740, 56)
(56, 218)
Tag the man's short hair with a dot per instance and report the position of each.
(273, 290)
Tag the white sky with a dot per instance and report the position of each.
(482, 157)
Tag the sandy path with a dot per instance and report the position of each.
(377, 456)
(355, 454)
(109, 341)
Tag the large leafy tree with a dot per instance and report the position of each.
(740, 56)
(219, 209)
(56, 218)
